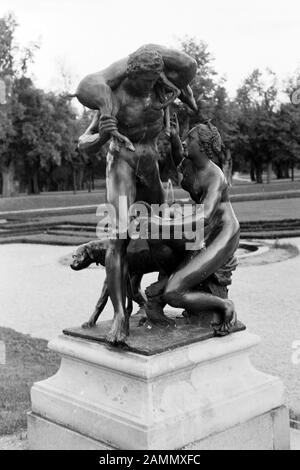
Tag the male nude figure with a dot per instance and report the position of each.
(130, 97)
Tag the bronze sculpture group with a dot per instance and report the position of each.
(131, 99)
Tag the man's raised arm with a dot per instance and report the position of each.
(94, 92)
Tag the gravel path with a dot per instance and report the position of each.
(267, 299)
(39, 296)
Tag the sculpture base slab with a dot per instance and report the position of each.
(149, 339)
(203, 395)
(265, 432)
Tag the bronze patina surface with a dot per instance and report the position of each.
(131, 99)
(146, 339)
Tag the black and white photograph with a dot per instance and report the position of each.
(149, 228)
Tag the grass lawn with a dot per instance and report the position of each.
(273, 209)
(27, 360)
(82, 198)
(49, 200)
(265, 188)
(245, 211)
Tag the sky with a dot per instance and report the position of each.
(84, 36)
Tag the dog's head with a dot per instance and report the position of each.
(81, 257)
(88, 253)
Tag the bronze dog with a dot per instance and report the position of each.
(140, 262)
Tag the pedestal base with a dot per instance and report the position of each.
(205, 395)
(265, 432)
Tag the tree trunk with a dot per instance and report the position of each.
(269, 172)
(8, 184)
(286, 171)
(89, 180)
(258, 171)
(74, 181)
(279, 171)
(35, 181)
(252, 171)
(80, 178)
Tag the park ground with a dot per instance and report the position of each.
(267, 297)
(239, 191)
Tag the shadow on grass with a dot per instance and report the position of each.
(27, 360)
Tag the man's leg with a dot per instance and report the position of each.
(120, 182)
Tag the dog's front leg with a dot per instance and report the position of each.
(129, 296)
(99, 307)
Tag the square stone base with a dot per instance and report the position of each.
(266, 432)
(269, 431)
(204, 395)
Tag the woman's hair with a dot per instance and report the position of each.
(209, 138)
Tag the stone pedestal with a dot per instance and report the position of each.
(204, 395)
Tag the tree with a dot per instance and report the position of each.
(203, 84)
(288, 140)
(257, 121)
(87, 165)
(46, 132)
(13, 67)
(7, 29)
(212, 100)
(38, 130)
